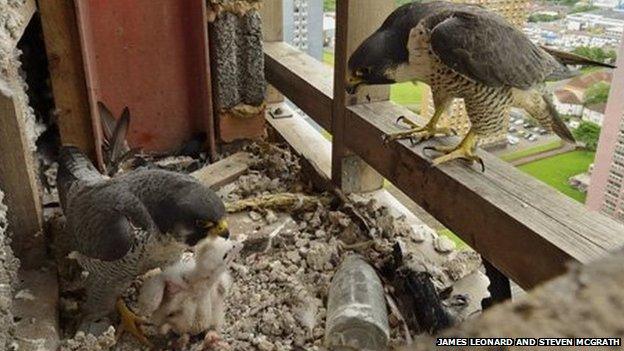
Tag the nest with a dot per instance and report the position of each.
(295, 239)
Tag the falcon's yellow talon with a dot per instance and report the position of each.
(130, 323)
(421, 133)
(407, 121)
(465, 150)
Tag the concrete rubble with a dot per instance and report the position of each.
(9, 266)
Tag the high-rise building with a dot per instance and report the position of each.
(606, 189)
(515, 11)
(303, 26)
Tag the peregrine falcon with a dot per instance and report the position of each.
(122, 227)
(463, 51)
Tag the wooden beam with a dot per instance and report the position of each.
(17, 180)
(528, 230)
(353, 24)
(224, 171)
(67, 75)
(339, 151)
(206, 84)
(302, 78)
(23, 14)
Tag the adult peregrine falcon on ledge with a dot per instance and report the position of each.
(463, 51)
(122, 227)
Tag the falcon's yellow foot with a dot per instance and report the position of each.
(130, 323)
(419, 133)
(465, 151)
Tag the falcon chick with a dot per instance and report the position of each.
(188, 297)
(463, 51)
(124, 226)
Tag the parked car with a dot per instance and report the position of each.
(543, 131)
(515, 114)
(528, 125)
(512, 140)
(519, 122)
(527, 136)
(521, 132)
(512, 129)
(532, 138)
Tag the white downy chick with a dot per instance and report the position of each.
(188, 297)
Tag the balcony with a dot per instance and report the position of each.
(523, 228)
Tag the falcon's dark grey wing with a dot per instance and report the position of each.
(107, 221)
(483, 46)
(102, 215)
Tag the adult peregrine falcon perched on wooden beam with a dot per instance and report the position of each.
(463, 51)
(122, 227)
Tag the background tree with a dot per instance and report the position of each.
(595, 53)
(596, 94)
(588, 133)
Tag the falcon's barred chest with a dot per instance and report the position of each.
(486, 105)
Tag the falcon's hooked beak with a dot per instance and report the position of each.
(220, 229)
(353, 83)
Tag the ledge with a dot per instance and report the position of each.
(301, 78)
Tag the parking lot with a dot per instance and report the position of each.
(524, 133)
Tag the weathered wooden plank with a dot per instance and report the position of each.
(67, 75)
(22, 14)
(339, 102)
(305, 140)
(526, 229)
(224, 171)
(302, 79)
(206, 87)
(17, 180)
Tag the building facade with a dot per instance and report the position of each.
(515, 11)
(594, 113)
(606, 189)
(567, 103)
(303, 26)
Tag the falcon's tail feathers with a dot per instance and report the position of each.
(74, 166)
(115, 147)
(538, 104)
(557, 124)
(568, 58)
